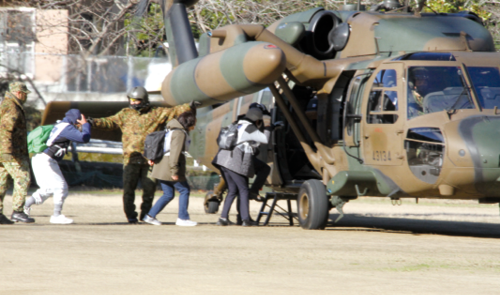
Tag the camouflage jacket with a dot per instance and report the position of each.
(13, 134)
(135, 126)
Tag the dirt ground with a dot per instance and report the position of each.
(435, 247)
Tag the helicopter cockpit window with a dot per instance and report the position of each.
(385, 78)
(434, 89)
(486, 82)
(383, 102)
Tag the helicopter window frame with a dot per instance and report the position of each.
(382, 107)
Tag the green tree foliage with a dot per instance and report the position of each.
(144, 33)
(450, 6)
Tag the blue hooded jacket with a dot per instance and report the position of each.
(68, 134)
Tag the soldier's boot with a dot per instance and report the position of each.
(132, 220)
(5, 220)
(21, 217)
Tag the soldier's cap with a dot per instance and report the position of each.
(18, 86)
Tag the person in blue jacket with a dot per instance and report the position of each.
(48, 175)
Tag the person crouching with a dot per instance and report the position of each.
(47, 173)
(171, 170)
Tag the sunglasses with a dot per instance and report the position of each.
(135, 99)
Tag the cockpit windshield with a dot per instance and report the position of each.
(486, 83)
(434, 89)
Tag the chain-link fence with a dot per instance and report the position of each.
(106, 74)
(73, 77)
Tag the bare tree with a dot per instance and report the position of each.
(211, 14)
(94, 27)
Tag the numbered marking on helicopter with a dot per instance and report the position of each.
(382, 156)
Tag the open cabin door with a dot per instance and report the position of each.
(383, 116)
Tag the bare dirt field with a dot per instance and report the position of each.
(435, 247)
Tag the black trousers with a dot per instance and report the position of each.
(237, 185)
(262, 170)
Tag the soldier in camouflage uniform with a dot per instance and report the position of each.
(136, 123)
(14, 157)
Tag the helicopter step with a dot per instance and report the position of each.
(275, 208)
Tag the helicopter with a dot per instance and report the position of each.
(385, 103)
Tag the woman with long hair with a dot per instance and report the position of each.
(171, 169)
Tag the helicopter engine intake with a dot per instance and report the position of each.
(319, 41)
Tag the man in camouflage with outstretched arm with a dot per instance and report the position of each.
(14, 157)
(136, 123)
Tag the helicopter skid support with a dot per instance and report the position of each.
(275, 208)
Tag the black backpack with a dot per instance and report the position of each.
(153, 145)
(228, 136)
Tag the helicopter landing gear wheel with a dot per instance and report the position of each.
(211, 203)
(213, 207)
(312, 205)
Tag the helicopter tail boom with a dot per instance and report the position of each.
(221, 76)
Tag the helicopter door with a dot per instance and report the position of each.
(382, 128)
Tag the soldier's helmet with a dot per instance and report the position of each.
(139, 92)
(18, 86)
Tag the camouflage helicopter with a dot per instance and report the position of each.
(387, 102)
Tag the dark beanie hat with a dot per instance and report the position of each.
(73, 115)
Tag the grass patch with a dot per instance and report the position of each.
(409, 268)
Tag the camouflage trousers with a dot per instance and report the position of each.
(132, 173)
(20, 174)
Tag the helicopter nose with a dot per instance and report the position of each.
(474, 142)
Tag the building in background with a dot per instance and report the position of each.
(37, 43)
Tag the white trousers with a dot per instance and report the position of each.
(49, 178)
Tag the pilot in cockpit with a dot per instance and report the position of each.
(417, 89)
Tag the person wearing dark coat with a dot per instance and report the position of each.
(261, 169)
(237, 165)
(171, 169)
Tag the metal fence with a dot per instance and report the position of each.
(52, 73)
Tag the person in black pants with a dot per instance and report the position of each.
(237, 165)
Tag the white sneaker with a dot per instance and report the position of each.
(151, 220)
(27, 210)
(61, 219)
(185, 222)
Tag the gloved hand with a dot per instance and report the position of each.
(278, 125)
(194, 104)
(90, 120)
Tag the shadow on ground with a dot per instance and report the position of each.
(414, 226)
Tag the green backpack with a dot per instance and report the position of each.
(37, 139)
